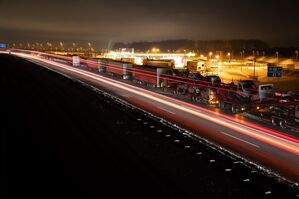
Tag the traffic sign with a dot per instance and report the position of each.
(2, 45)
(274, 71)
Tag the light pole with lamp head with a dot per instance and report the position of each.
(253, 53)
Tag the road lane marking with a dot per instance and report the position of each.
(240, 139)
(124, 95)
(167, 110)
(262, 132)
(268, 192)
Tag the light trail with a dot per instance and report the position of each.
(177, 79)
(290, 144)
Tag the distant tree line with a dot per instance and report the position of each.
(199, 45)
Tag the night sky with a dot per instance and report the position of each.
(105, 22)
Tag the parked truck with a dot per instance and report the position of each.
(196, 66)
(283, 115)
(169, 63)
(116, 68)
(238, 97)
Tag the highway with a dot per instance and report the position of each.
(279, 153)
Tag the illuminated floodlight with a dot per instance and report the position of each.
(190, 54)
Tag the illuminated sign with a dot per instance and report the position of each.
(274, 71)
(2, 45)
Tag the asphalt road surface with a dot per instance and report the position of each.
(60, 139)
(264, 146)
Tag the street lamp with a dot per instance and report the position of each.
(210, 54)
(242, 54)
(296, 52)
(228, 54)
(61, 45)
(277, 53)
(253, 53)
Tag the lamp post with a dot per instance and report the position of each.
(253, 53)
(89, 49)
(229, 56)
(296, 52)
(61, 45)
(74, 46)
(277, 53)
(210, 54)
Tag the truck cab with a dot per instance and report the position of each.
(266, 92)
(297, 114)
(247, 89)
(214, 80)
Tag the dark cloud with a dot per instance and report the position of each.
(103, 22)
